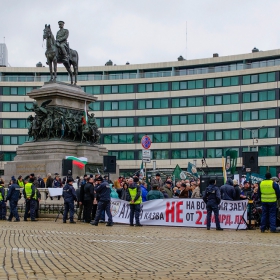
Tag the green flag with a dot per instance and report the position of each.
(176, 172)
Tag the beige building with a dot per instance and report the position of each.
(192, 109)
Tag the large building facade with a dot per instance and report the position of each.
(192, 109)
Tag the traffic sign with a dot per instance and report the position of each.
(146, 160)
(146, 142)
(146, 153)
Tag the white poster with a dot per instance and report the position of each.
(55, 191)
(181, 212)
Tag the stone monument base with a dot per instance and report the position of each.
(46, 157)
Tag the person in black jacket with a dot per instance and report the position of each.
(13, 197)
(69, 196)
(227, 190)
(212, 198)
(81, 201)
(237, 190)
(88, 199)
(103, 190)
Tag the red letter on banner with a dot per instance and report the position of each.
(179, 211)
(170, 211)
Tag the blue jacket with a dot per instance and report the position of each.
(144, 193)
(212, 194)
(228, 191)
(103, 190)
(56, 184)
(69, 194)
(13, 193)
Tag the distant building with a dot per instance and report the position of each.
(3, 55)
(191, 109)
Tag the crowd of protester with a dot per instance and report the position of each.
(93, 194)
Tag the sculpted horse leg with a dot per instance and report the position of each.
(55, 68)
(50, 67)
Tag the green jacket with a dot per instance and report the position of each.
(154, 194)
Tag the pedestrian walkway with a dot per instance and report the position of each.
(49, 250)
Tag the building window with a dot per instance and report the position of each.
(153, 87)
(194, 136)
(187, 102)
(259, 96)
(187, 119)
(259, 115)
(222, 99)
(223, 135)
(187, 154)
(92, 89)
(222, 82)
(222, 117)
(149, 121)
(118, 105)
(118, 122)
(153, 104)
(196, 84)
(259, 78)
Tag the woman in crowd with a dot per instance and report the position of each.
(195, 191)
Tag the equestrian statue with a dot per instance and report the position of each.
(58, 51)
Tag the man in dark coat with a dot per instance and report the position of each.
(13, 197)
(212, 198)
(227, 190)
(69, 196)
(88, 199)
(184, 191)
(104, 191)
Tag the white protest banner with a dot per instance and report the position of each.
(55, 191)
(181, 212)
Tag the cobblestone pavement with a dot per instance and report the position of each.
(49, 250)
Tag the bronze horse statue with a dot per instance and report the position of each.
(54, 56)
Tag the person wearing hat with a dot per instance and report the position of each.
(157, 181)
(34, 180)
(212, 199)
(246, 191)
(13, 196)
(103, 190)
(69, 196)
(135, 200)
(268, 193)
(167, 188)
(30, 195)
(61, 39)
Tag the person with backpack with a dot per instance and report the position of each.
(212, 198)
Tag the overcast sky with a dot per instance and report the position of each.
(140, 31)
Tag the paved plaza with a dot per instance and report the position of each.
(49, 250)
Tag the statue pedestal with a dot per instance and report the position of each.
(45, 156)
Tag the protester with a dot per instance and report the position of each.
(212, 198)
(163, 191)
(13, 196)
(176, 192)
(124, 192)
(246, 191)
(168, 189)
(135, 200)
(196, 191)
(184, 193)
(69, 196)
(154, 193)
(157, 181)
(88, 199)
(30, 195)
(227, 190)
(103, 190)
(41, 183)
(144, 191)
(268, 193)
(237, 190)
(49, 181)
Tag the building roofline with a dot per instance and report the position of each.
(156, 65)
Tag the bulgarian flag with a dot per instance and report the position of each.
(85, 116)
(80, 162)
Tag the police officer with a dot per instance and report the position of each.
(212, 198)
(2, 202)
(20, 181)
(104, 191)
(135, 200)
(269, 193)
(13, 196)
(30, 195)
(69, 196)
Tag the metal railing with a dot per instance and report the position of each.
(142, 74)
